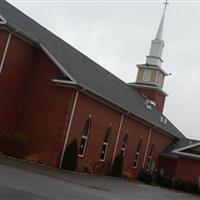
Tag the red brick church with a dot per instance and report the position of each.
(52, 94)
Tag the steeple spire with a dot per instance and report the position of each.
(151, 76)
(157, 45)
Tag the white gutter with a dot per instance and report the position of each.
(56, 62)
(64, 82)
(188, 154)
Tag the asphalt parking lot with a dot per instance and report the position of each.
(23, 181)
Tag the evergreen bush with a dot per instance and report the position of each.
(193, 188)
(166, 181)
(117, 166)
(180, 185)
(70, 157)
(145, 176)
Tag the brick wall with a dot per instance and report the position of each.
(155, 96)
(188, 169)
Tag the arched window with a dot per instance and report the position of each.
(105, 144)
(124, 145)
(137, 155)
(150, 156)
(84, 138)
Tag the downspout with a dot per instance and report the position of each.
(118, 134)
(5, 52)
(147, 147)
(69, 127)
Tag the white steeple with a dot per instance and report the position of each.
(157, 45)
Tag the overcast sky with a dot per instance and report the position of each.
(117, 35)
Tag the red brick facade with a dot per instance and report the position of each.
(32, 104)
(153, 95)
(188, 170)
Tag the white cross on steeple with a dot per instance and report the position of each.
(166, 4)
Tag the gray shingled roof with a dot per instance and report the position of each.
(85, 71)
(177, 144)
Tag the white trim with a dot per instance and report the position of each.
(140, 84)
(150, 157)
(124, 148)
(86, 138)
(69, 127)
(106, 144)
(188, 154)
(106, 150)
(3, 19)
(179, 151)
(25, 34)
(119, 130)
(187, 147)
(5, 52)
(64, 81)
(136, 160)
(147, 147)
(56, 62)
(138, 153)
(152, 67)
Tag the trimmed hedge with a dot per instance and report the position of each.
(164, 181)
(117, 167)
(71, 156)
(187, 186)
(145, 177)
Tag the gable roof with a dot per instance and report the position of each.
(84, 71)
(178, 144)
(192, 150)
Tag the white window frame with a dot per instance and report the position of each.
(137, 155)
(150, 157)
(85, 138)
(105, 144)
(126, 144)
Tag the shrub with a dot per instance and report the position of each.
(180, 185)
(126, 174)
(70, 157)
(36, 158)
(193, 188)
(145, 176)
(88, 168)
(117, 166)
(13, 142)
(165, 181)
(100, 168)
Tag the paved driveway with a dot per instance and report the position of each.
(22, 181)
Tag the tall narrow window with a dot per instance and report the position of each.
(105, 144)
(150, 156)
(137, 155)
(124, 145)
(84, 138)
